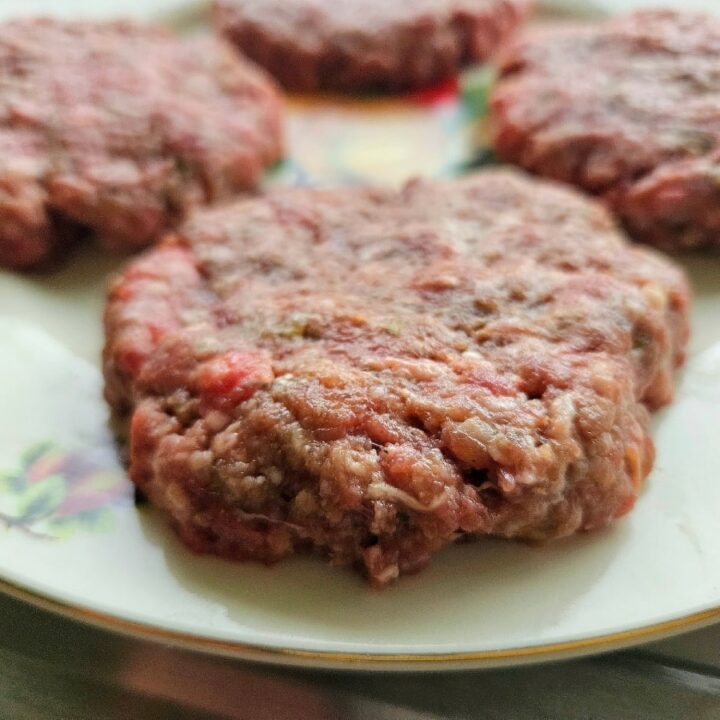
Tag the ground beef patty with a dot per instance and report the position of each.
(366, 44)
(374, 373)
(628, 110)
(121, 128)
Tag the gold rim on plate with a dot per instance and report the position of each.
(359, 661)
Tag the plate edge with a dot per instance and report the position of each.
(387, 662)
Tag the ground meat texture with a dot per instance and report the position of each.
(365, 45)
(375, 373)
(628, 110)
(120, 129)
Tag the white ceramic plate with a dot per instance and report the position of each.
(71, 539)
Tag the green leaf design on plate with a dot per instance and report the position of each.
(12, 483)
(33, 453)
(41, 499)
(96, 520)
(475, 90)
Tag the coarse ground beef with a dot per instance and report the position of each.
(375, 373)
(120, 128)
(628, 110)
(350, 45)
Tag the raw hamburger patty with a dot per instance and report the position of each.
(366, 44)
(121, 128)
(628, 110)
(374, 373)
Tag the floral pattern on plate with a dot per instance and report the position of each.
(54, 493)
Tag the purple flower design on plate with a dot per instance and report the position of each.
(55, 492)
